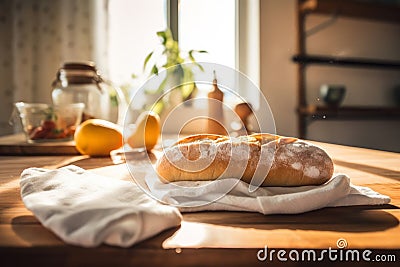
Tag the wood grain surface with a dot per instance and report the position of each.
(17, 145)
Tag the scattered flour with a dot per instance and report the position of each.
(311, 171)
(173, 154)
(297, 165)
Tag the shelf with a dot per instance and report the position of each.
(353, 9)
(346, 62)
(349, 113)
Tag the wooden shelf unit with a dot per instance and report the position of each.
(345, 8)
(349, 113)
(353, 9)
(346, 62)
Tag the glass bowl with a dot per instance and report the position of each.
(44, 123)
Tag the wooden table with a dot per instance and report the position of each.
(213, 238)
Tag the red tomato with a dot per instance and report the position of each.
(38, 133)
(48, 125)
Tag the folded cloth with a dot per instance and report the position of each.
(234, 195)
(86, 209)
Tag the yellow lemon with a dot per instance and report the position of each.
(146, 132)
(96, 137)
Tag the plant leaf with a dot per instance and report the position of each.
(168, 34)
(199, 66)
(187, 89)
(146, 60)
(179, 71)
(191, 55)
(154, 70)
(158, 107)
(163, 36)
(162, 85)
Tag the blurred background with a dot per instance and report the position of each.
(353, 45)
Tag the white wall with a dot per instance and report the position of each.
(345, 37)
(278, 73)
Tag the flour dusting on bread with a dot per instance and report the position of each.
(278, 161)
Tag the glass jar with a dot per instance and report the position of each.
(80, 82)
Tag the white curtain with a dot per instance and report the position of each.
(37, 37)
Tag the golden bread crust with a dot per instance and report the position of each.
(272, 159)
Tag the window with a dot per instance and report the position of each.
(227, 29)
(222, 27)
(203, 24)
(209, 25)
(132, 28)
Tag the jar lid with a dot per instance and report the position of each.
(84, 65)
(79, 73)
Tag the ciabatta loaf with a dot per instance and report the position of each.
(276, 160)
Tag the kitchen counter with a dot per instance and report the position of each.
(215, 238)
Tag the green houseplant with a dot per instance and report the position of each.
(173, 62)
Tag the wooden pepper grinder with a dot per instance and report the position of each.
(215, 110)
(244, 110)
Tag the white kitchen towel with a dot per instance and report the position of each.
(234, 195)
(86, 209)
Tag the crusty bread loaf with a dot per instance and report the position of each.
(276, 160)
